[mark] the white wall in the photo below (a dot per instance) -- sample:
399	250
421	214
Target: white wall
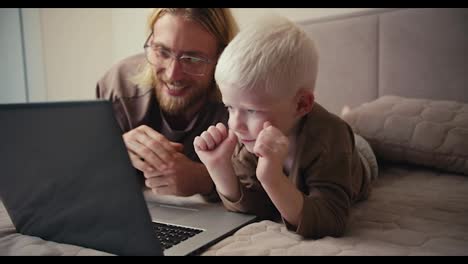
77	49
33	55
81	44
128	31
12	81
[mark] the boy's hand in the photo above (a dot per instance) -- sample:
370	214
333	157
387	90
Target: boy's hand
215	146
271	147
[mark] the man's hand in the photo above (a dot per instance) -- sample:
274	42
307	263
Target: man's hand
184	178
150	151
271	147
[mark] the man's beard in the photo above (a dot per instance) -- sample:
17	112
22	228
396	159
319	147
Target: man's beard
173	105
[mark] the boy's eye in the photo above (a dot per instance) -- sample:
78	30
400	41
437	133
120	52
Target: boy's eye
250	111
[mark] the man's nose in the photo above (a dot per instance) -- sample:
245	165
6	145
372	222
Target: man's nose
174	70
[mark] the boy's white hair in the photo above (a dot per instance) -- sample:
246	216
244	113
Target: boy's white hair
272	55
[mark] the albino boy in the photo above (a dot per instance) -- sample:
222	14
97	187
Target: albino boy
283	154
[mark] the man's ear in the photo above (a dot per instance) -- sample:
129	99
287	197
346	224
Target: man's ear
304	101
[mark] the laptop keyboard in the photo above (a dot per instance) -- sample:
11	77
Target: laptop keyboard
170	235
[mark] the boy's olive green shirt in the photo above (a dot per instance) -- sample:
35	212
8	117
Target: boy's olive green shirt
327	169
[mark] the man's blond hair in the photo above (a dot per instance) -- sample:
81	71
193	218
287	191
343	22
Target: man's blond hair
218	21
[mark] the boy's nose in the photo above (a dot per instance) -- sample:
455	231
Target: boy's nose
236	122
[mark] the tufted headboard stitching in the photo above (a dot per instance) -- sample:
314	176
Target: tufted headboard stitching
416	52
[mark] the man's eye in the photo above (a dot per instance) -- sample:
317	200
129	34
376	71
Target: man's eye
162	53
250	111
191	60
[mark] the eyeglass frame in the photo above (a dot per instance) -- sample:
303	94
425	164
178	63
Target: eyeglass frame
175	56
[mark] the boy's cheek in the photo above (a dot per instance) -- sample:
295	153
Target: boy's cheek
250	147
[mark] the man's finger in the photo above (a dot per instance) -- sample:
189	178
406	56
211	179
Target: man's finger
157	173
177	146
145	154
139	164
163	141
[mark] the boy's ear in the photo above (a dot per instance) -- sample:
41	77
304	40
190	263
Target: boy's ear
304	101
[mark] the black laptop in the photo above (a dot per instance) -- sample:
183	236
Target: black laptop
66	177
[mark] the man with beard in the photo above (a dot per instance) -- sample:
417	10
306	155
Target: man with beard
164	98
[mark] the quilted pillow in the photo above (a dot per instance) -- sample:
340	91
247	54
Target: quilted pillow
418	131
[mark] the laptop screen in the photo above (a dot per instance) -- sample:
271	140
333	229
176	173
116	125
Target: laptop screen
66	177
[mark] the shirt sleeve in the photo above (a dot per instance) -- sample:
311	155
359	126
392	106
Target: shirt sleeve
327	199
253	200
211	197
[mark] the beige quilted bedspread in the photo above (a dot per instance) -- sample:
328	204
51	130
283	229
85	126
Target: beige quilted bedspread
410	212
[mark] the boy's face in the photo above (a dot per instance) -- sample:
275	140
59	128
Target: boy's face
248	112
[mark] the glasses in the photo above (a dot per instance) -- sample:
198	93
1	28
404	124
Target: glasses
162	57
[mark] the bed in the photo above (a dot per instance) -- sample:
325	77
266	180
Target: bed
399	77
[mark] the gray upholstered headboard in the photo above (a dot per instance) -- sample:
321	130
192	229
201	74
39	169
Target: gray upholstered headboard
421	53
